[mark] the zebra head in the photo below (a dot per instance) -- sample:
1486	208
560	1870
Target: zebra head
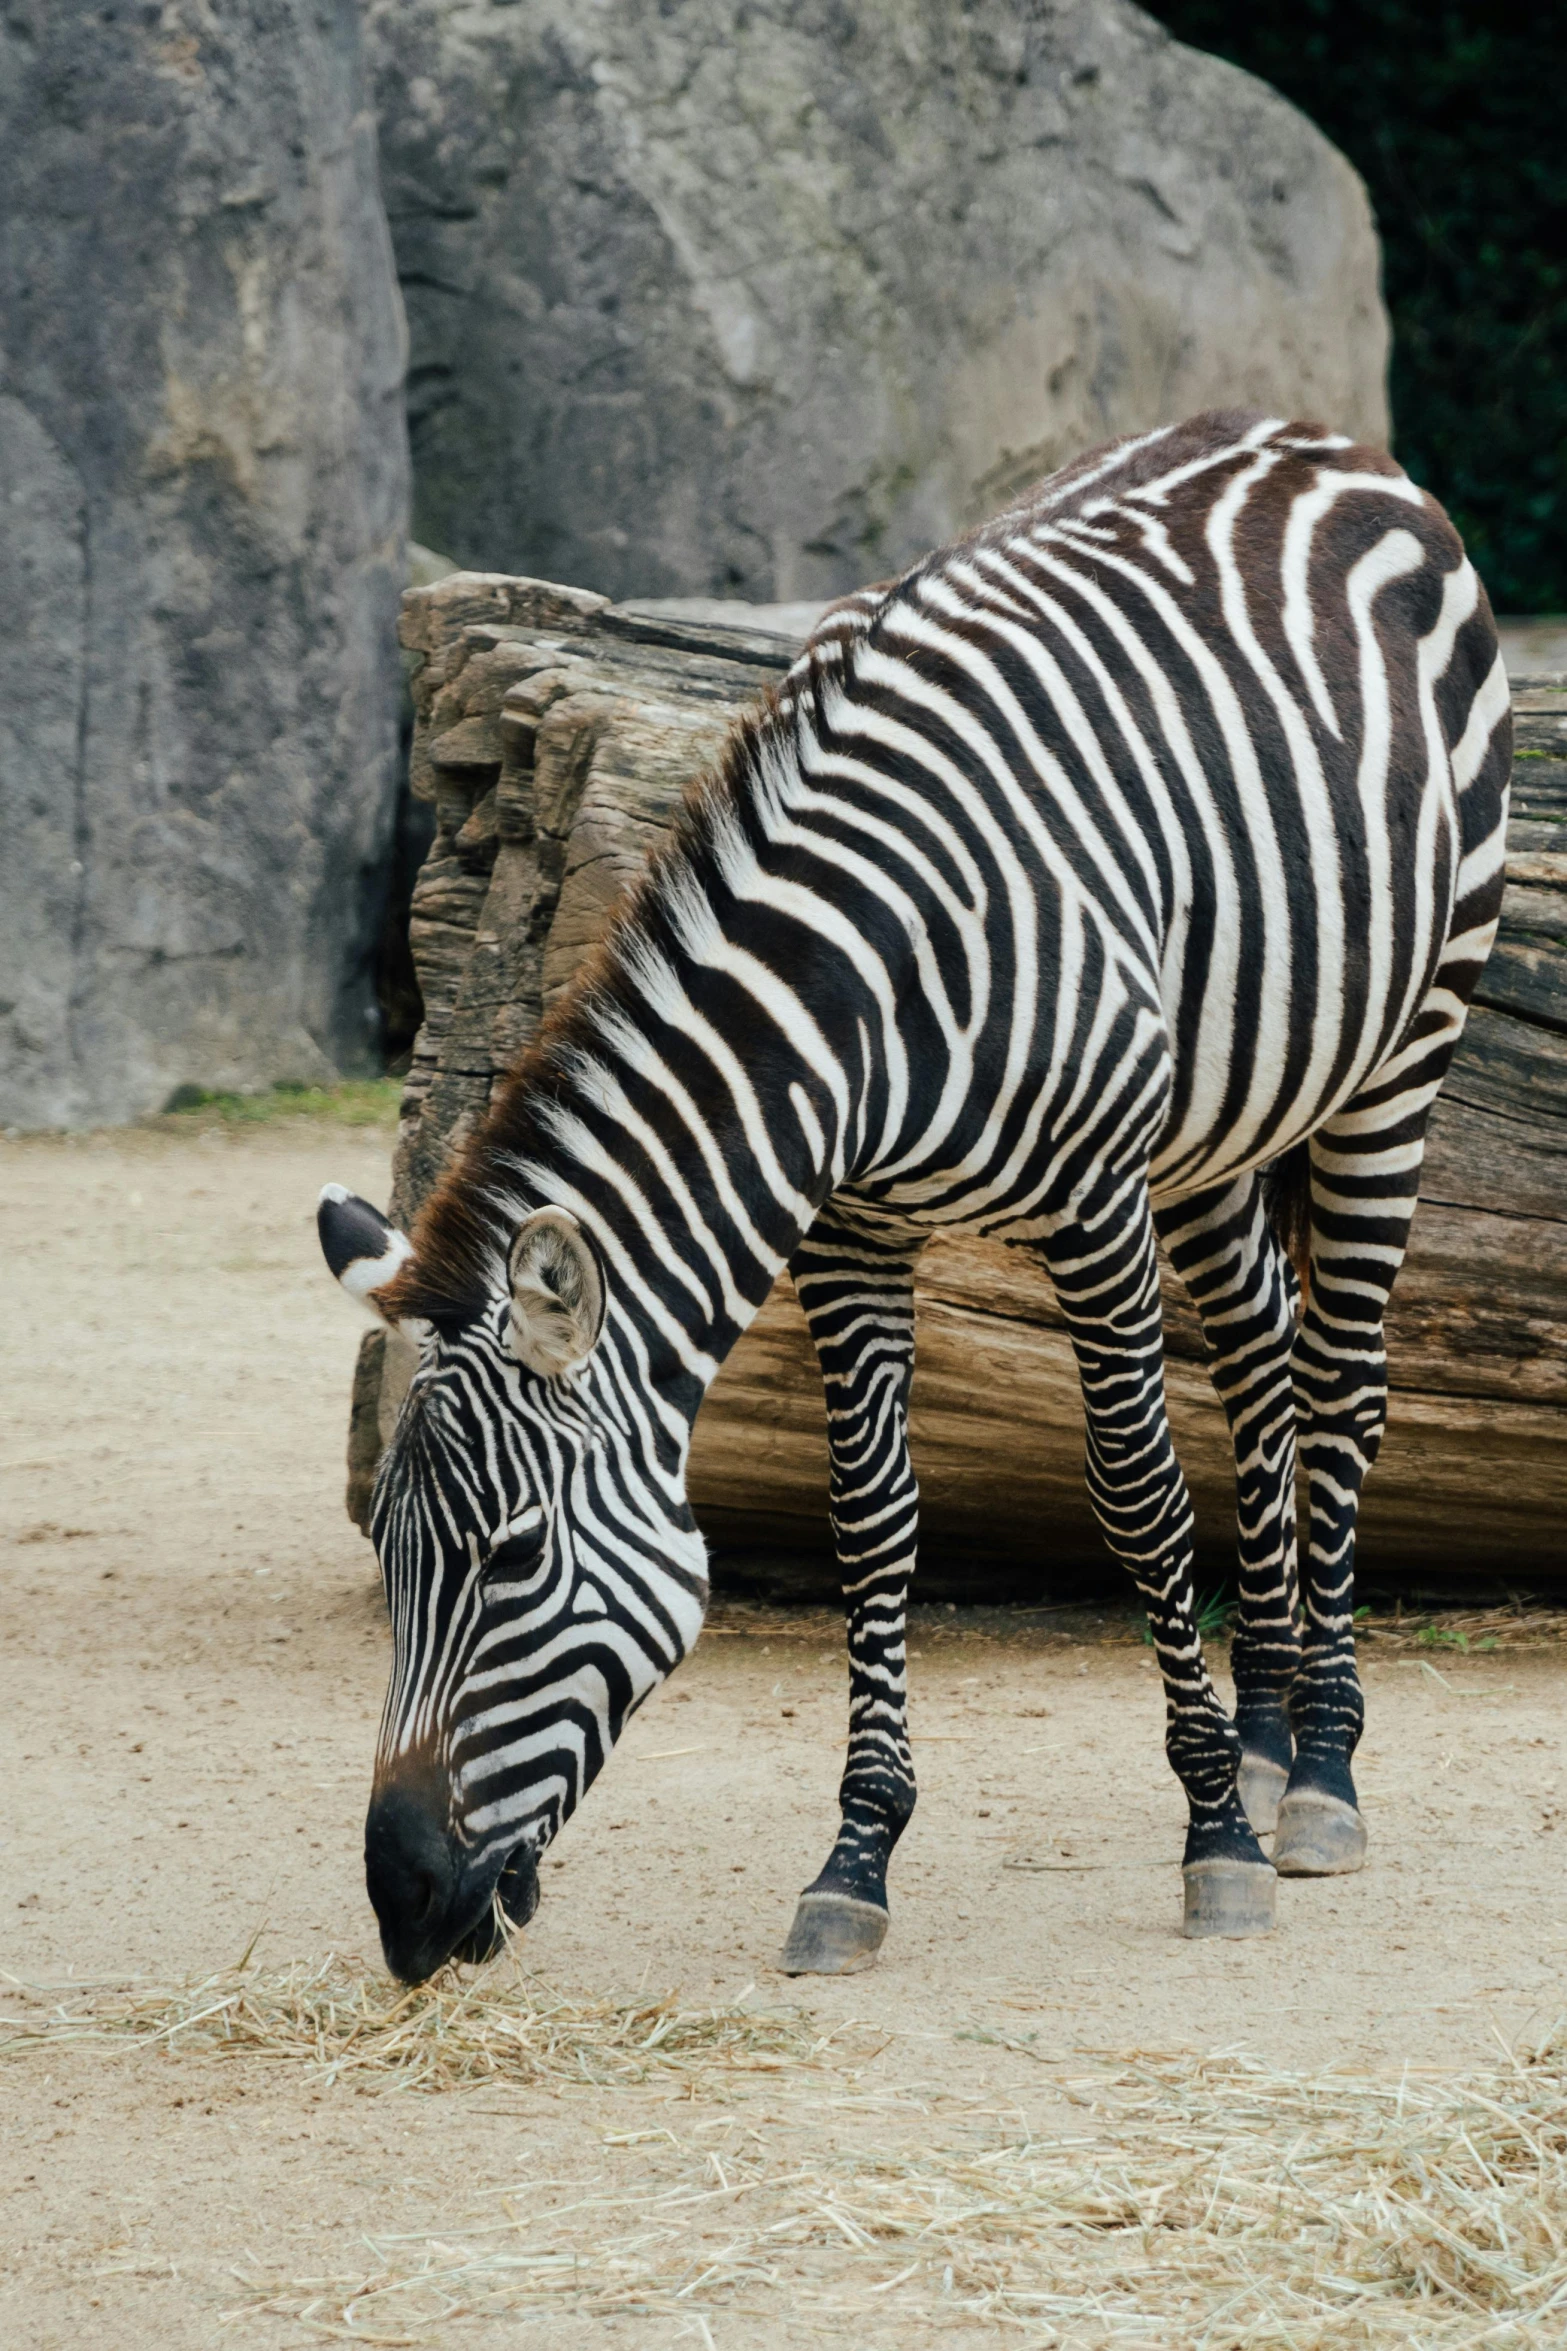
542	1571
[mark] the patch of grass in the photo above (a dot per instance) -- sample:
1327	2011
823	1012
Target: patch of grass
358	1102
1474	1632
1216	1614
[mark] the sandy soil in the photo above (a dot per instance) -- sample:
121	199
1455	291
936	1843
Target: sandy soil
191	1668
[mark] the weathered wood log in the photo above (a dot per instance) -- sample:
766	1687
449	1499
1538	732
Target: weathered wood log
556	734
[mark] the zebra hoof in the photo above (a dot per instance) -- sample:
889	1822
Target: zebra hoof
1260	1785
1229	1898
1318	1836
833	1934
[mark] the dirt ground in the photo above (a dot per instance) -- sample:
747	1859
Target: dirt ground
191	1670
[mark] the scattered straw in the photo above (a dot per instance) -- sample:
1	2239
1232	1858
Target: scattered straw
1199	2205
1214	2205
498	2027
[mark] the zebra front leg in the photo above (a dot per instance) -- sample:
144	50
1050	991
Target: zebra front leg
1221	1244
1106	1277
857	1289
1365	1168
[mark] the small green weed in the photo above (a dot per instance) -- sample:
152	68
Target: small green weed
1216	1612
1435	1636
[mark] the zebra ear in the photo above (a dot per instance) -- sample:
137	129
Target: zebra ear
557	1293
361	1248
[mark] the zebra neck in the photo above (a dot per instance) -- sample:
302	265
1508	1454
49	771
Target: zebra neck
696	1166
730	1060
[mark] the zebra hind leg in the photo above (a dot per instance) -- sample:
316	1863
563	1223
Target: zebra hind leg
1106	1278
1224	1248
857	1289
1365	1166
1365	1181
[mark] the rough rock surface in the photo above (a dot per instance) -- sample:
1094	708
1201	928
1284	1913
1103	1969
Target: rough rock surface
764	301
555	736
203	480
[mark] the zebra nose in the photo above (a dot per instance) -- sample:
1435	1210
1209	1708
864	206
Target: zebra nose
412	1879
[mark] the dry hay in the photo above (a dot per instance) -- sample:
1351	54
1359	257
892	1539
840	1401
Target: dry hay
1216	2206
499	2027
1204	2204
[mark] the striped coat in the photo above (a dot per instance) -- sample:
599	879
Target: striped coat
1120	873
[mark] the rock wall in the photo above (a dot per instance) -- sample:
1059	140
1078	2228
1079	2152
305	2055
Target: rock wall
203	478
765	301
555	736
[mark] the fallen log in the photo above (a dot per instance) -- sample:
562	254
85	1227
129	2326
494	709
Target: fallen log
555	736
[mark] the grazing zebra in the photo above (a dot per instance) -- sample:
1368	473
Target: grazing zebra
1122	871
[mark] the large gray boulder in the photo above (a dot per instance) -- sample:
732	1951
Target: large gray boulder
762	300
203	491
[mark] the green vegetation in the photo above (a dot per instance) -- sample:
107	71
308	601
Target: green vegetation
1434	1636
1216	1614
359	1102
1451	112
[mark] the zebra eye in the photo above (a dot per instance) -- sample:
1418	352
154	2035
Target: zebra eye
518	1554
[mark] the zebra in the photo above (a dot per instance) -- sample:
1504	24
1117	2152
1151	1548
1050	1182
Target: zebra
1118	875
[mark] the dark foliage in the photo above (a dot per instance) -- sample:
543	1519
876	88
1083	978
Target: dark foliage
1452	112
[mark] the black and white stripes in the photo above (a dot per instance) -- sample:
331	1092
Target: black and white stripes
1148	838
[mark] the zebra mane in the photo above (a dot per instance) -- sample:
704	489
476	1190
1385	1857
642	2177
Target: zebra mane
461	1234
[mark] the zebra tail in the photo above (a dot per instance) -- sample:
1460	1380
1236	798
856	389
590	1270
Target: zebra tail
1286	1203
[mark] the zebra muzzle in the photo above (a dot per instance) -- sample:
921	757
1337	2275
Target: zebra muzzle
432	1903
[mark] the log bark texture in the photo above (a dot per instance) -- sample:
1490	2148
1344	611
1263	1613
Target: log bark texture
556	734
